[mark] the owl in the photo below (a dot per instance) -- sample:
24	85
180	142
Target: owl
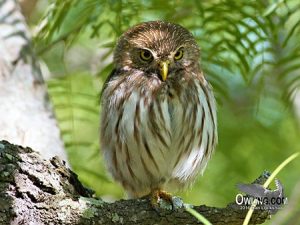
158	112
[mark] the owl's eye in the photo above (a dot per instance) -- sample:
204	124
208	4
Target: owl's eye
146	55
179	54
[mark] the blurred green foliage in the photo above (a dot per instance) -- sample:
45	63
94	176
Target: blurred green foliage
250	54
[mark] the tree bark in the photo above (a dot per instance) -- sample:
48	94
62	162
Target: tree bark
38	191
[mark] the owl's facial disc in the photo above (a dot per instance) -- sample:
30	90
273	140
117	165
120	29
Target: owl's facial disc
146	56
150	60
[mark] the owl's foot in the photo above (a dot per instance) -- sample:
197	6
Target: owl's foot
162	199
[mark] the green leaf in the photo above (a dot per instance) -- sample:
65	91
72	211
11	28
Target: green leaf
272	7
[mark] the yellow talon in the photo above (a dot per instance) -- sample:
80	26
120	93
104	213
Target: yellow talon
157	195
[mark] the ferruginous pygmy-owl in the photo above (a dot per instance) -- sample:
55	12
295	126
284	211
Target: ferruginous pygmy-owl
158	125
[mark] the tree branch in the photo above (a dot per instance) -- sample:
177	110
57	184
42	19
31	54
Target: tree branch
38	191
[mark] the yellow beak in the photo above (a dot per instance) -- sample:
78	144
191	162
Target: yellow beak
164	69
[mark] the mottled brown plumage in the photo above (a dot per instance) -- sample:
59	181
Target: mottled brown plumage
158	120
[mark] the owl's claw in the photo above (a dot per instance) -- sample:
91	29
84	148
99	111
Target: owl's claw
159	198
163	200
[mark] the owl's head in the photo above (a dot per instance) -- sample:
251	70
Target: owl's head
157	47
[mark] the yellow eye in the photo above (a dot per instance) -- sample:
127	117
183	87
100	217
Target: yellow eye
146	55
179	54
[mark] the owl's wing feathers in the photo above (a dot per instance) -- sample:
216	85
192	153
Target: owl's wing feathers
110	76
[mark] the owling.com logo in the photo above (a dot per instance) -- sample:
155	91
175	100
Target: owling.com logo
271	200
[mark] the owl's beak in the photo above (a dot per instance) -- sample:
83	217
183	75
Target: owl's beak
164	69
